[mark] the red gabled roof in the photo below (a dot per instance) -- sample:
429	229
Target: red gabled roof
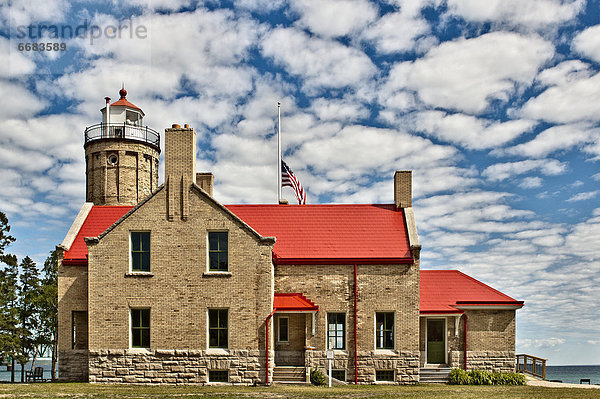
99	219
124	102
293	303
445	291
313	234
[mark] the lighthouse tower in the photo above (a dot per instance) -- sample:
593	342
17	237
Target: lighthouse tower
121	155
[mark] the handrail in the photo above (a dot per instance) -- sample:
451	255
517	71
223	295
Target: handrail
122	131
533	365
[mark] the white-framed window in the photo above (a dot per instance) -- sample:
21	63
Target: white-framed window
283	329
336	331
384	330
139	321
218	251
139	251
218	328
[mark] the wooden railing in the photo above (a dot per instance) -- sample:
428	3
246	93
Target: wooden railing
535	366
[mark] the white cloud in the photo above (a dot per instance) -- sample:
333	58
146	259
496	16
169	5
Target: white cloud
167	5
584	196
468	131
556	138
572	98
530	343
26	12
467	74
530	14
343	110
503	171
587	43
531	182
20	103
15	63
320	63
584	240
333	18
397	32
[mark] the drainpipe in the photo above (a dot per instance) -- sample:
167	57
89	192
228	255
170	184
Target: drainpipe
267	341
465	315
355	324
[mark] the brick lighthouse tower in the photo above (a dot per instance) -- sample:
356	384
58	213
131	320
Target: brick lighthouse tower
121	155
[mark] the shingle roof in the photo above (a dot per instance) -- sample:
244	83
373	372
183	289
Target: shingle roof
445	291
331	233
99	219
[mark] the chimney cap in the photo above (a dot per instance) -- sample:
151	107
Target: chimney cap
175	126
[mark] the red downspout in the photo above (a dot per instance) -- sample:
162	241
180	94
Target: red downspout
465	341
355	324
267	342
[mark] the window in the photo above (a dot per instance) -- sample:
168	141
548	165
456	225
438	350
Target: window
217	251
384	375
339	375
217	328
384	330
284	329
79	330
218	376
140	328
140	251
336	330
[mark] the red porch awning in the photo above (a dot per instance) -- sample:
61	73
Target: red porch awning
293	303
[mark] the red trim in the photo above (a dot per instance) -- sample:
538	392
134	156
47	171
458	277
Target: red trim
355	324
75	262
305	305
491	303
341	261
465	315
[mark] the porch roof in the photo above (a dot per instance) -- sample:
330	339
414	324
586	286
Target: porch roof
293	303
451	292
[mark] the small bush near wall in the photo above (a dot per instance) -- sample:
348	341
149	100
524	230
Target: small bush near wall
317	378
482	377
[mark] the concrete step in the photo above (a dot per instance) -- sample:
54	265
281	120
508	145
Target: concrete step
289	374
434	375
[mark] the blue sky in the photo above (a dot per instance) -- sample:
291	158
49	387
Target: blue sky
494	105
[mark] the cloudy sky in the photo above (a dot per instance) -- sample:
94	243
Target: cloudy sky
494	105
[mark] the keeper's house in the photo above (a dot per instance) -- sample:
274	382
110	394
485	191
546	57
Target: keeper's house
164	284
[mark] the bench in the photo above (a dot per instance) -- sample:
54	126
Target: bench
584	380
37	375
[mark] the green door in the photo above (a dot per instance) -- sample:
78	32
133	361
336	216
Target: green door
435	341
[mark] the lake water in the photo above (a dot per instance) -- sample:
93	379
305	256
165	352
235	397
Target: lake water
572	374
45	363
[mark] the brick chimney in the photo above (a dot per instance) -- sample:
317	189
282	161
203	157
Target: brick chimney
403	188
180	168
205	180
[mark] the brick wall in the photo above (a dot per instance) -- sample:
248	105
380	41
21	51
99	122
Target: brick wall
72	296
178	290
387	288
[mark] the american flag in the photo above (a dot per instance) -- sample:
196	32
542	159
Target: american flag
288	179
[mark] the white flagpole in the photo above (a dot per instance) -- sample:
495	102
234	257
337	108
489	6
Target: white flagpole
278	152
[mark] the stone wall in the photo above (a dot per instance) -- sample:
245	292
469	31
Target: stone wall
503	361
131	179
174	366
73	365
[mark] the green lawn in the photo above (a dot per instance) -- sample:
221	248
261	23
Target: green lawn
82	390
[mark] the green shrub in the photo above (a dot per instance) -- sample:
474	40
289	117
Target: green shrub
317	378
482	377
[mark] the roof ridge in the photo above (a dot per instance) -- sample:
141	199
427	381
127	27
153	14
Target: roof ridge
485	285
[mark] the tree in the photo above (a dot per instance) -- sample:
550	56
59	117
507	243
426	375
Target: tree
9	313
29	293
5	238
48	307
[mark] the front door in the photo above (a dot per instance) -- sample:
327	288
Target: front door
290	339
436	344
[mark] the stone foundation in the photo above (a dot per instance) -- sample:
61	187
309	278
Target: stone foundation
174	366
73	365
404	363
480	360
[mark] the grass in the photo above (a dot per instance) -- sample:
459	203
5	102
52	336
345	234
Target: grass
83	390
